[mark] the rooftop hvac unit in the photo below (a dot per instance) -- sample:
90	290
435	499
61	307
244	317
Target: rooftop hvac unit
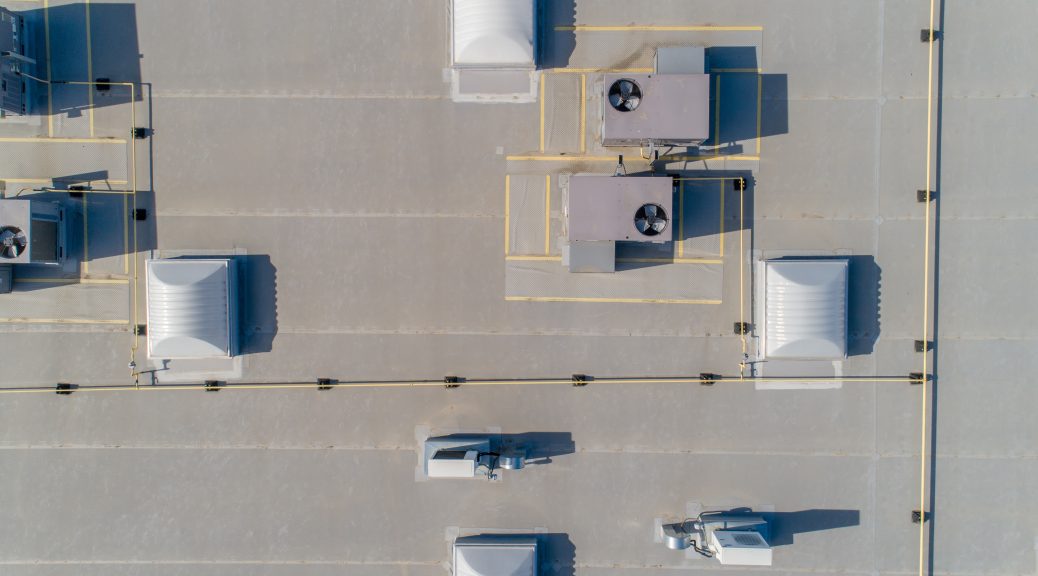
655	109
31	232
15	44
469	456
601	210
740	548
733	538
453	464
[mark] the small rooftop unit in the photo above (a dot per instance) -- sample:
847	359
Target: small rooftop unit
670	107
600	210
734	539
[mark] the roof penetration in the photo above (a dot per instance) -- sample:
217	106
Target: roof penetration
493	33
495	555
191	305
806	309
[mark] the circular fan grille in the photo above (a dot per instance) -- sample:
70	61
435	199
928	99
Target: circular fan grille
625	95
650	219
12	242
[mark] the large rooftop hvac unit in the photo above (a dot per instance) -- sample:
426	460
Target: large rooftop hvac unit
805	309
601	210
192	308
495	555
15	42
31	232
670	107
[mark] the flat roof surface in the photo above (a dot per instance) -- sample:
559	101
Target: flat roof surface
388	233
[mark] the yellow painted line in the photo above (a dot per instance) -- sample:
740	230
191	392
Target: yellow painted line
543	82
561	158
90	69
532	257
644	28
608	300
673	260
61	321
583	113
599	70
86	245
714	157
576	158
759	106
508	185
742	301
721	227
717	115
681	218
547	213
735	70
50	92
711	178
126	235
41	139
71	280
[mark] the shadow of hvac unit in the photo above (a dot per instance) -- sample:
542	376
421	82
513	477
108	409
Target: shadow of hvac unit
601	210
670	107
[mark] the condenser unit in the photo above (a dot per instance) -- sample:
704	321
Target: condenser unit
31	232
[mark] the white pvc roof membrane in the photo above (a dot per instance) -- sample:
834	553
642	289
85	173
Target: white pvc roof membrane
493	33
191	305
486	556
805	309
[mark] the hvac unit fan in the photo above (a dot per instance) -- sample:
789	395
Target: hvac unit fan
650	219
12	242
625	95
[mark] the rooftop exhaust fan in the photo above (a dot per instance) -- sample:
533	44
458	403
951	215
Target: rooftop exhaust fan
625	95
12	242
650	219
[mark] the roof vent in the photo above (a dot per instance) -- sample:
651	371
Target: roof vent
650	219
625	95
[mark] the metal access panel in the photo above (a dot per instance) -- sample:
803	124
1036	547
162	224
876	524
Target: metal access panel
590	256
680	60
600	207
673	109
